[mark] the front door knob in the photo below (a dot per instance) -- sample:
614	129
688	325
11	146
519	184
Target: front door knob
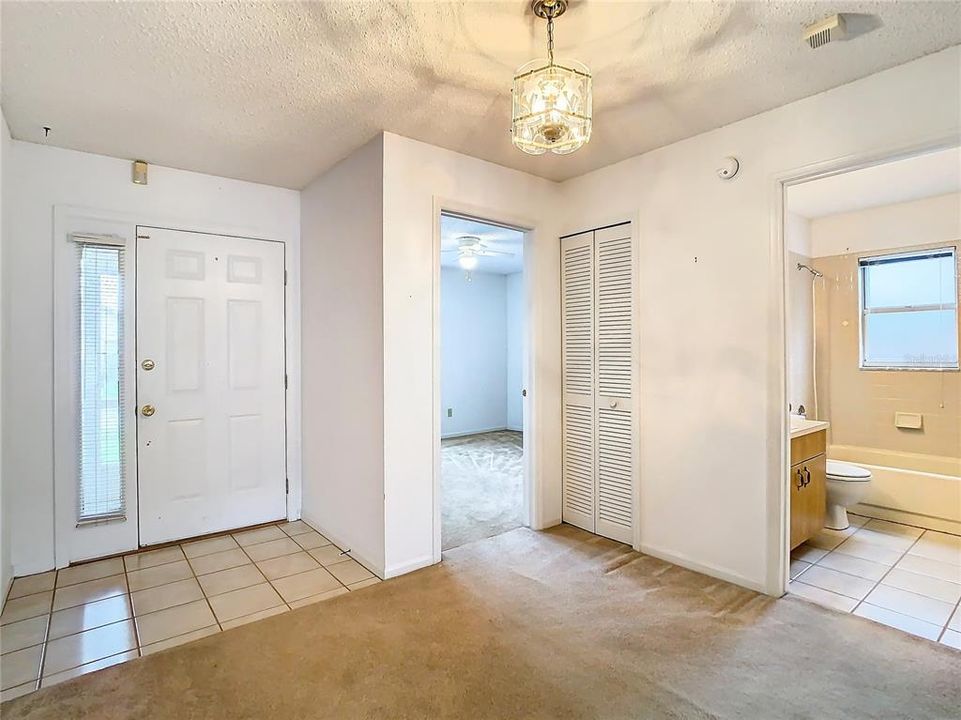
148	410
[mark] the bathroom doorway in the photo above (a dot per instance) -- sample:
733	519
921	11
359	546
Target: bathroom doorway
482	389
873	391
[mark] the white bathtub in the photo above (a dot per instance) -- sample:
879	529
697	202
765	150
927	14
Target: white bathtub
918	489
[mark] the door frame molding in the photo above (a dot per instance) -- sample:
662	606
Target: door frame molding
777	576
533	482
70	219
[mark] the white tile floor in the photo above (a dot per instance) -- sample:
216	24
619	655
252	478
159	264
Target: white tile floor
897	575
58	625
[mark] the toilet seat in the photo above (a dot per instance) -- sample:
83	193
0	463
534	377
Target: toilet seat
846	472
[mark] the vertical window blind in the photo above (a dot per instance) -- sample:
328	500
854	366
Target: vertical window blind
100	351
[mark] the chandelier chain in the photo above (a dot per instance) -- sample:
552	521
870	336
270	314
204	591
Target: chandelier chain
550	39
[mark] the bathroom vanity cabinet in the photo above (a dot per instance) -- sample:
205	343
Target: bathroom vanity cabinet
808	480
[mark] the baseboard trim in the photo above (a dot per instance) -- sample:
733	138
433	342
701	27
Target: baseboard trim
908	518
417	564
340	542
704	569
473	432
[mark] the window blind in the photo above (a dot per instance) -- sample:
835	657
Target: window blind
99	363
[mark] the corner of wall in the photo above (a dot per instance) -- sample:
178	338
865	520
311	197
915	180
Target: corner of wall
343	353
6	563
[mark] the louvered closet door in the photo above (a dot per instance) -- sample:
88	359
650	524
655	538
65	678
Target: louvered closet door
577	313
614	421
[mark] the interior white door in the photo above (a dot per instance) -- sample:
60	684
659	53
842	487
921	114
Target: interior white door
614	288
577	349
210	383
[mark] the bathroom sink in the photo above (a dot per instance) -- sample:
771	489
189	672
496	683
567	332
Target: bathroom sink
803	426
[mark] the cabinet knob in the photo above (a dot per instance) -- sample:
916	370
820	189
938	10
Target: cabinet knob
807	476
800	480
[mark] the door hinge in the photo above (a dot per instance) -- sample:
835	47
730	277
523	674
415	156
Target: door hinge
287	485
285	277
285	381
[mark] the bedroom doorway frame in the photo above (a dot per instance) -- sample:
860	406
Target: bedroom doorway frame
531	485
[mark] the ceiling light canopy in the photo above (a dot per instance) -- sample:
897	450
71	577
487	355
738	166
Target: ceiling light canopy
551	100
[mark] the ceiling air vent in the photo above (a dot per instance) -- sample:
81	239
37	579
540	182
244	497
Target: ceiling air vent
828	30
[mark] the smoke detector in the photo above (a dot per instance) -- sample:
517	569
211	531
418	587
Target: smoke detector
828	30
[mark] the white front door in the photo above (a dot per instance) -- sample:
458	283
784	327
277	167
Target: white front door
210	383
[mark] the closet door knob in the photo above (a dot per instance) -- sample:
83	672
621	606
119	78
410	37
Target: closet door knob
613	403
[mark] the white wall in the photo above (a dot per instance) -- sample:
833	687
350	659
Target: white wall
919	222
712	349
343	353
6	562
474	356
418	180
41	178
516	351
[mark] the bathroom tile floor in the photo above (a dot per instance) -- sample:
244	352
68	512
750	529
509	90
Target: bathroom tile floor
897	575
61	624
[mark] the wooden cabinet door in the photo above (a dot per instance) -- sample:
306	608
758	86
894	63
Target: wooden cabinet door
807	498
817	493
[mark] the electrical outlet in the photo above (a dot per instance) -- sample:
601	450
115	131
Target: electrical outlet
450	412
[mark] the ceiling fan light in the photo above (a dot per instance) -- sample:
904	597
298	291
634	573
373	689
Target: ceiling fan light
467	262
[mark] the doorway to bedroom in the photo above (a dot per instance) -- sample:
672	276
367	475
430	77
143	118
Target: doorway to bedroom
482	387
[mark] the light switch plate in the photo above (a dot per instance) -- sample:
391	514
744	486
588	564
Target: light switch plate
908	421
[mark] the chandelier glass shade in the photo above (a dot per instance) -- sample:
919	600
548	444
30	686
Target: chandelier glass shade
552	102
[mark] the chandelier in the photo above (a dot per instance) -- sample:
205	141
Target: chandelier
551	100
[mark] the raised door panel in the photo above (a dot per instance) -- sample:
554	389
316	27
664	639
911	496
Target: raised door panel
210	315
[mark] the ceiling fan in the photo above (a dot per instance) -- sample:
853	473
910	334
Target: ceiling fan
470	248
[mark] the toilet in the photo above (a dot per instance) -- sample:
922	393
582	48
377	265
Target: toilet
847	485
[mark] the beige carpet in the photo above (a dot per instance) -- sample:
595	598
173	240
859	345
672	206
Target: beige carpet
482	491
559	624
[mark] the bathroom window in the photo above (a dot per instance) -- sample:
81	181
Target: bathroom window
909	310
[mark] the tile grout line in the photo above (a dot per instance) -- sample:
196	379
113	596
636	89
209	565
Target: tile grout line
890	569
203	592
321	565
80	632
944	630
133	614
36	682
266	579
89	662
46	632
861	601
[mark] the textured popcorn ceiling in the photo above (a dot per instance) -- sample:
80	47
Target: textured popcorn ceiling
278	92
